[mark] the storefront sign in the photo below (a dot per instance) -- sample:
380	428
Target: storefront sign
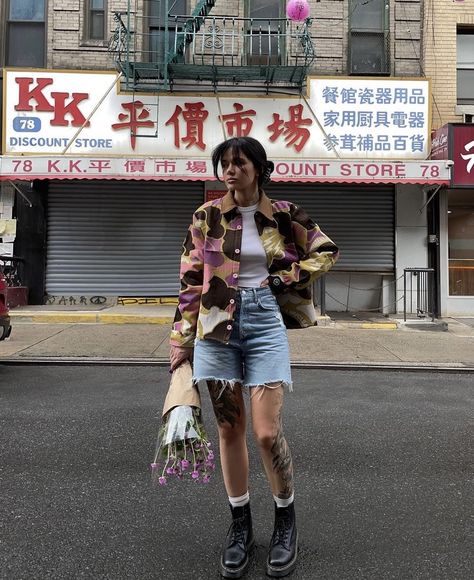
440	143
156	168
456	142
82	113
463	155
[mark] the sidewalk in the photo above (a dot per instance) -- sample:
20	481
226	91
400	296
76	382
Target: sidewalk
140	334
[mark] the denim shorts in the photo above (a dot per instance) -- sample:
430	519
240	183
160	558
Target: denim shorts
257	352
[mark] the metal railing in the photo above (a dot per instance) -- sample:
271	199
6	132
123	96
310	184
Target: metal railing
152	50
419	293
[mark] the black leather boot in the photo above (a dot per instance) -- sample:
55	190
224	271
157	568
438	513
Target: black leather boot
283	550
238	542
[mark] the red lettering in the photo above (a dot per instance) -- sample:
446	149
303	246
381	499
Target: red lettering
358	168
74	166
25	95
296	168
61	109
310	169
282	168
324	167
53	166
372	169
386	169
346	169
400	170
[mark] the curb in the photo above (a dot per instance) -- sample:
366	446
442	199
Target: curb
88	318
49	317
351	366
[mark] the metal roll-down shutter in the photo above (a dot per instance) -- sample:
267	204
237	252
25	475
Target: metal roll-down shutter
117	238
359	218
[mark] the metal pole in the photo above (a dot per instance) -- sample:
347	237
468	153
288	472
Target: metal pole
71	141
404	295
323	295
167	39
128	44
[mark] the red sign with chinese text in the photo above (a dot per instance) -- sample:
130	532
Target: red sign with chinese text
462	154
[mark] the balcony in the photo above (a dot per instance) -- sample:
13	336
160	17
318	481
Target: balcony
206	53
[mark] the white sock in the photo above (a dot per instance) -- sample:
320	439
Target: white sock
282	503
240	500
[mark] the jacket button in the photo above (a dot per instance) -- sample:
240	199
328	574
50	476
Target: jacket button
235	275
231	301
239	227
229	327
237	251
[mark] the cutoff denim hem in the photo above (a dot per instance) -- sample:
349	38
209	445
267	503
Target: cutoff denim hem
231	383
257	353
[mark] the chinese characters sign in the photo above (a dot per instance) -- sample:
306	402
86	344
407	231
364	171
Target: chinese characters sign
167	168
456	142
48	113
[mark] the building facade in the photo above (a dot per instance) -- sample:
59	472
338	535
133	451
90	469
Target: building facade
117	233
448	55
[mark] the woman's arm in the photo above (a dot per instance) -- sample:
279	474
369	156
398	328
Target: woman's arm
317	252
183	332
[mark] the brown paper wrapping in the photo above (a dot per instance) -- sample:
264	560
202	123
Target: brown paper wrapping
181	390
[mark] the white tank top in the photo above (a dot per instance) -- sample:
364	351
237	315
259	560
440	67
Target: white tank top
253	260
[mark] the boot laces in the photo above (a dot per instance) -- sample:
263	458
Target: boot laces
238	531
282	531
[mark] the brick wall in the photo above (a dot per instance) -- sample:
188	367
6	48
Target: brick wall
440	23
67	44
68	49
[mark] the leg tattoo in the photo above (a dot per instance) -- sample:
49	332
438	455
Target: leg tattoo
282	463
225	403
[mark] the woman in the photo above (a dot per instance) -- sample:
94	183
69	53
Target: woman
248	260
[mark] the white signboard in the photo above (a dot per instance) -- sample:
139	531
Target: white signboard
82	113
310	170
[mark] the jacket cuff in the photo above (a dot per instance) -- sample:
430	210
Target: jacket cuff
178	339
276	284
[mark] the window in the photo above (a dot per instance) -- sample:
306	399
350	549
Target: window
265	37
25	33
157	26
465	67
368	37
461	242
95	19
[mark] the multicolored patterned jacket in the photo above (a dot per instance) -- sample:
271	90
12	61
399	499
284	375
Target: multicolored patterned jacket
297	253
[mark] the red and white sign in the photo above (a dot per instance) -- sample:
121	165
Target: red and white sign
157	168
463	155
84	114
440	143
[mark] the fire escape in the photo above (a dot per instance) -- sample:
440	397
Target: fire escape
158	50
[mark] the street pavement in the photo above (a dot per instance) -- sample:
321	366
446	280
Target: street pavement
384	478
141	335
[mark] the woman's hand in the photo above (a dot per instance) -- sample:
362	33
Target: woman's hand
179	354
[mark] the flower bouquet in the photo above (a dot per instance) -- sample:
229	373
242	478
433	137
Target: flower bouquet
182	447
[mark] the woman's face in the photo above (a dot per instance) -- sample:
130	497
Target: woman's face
238	172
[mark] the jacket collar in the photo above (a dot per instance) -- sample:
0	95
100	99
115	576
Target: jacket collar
264	204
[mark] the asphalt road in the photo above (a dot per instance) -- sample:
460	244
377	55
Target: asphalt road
384	475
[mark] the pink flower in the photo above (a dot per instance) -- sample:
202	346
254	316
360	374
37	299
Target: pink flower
162	480
195	474
184	463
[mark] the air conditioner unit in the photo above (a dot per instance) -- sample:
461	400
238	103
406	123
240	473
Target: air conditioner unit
468	118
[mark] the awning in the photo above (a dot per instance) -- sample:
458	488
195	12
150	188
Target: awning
158	169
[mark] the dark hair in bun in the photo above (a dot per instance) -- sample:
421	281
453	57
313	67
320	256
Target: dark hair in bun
252	149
